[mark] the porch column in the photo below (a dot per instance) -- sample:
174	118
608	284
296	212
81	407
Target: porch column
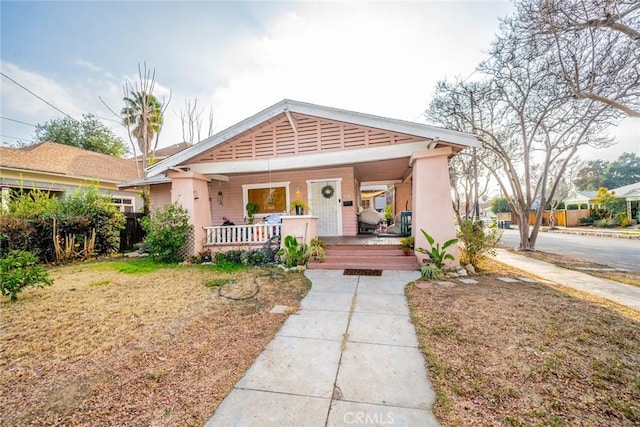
402	198
191	190
432	209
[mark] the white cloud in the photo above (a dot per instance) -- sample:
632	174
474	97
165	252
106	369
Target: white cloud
88	65
377	58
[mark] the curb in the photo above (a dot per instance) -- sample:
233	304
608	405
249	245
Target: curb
613	234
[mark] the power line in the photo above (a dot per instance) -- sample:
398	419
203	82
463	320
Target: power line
37	96
17	121
17	137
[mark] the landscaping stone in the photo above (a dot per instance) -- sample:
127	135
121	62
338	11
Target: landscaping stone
508	280
469	281
279	309
445	284
527	280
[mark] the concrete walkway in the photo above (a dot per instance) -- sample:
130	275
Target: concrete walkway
621	293
349	356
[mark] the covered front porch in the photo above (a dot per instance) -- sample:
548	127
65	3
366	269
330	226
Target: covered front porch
318	157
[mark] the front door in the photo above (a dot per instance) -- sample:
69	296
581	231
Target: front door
325	198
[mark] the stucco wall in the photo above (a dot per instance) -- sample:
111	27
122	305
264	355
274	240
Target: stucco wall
432	208
232	203
160	196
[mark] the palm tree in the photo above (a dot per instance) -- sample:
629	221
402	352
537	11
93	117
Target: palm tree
143	117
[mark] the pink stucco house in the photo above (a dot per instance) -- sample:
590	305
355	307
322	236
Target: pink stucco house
319	155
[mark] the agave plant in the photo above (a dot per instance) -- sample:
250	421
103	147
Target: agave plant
437	253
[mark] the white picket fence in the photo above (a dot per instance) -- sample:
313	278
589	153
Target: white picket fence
241	234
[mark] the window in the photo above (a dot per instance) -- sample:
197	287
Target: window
270	198
125	204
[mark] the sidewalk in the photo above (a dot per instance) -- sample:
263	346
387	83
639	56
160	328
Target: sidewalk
349	356
621	293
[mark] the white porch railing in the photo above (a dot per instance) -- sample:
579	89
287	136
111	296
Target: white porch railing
241	234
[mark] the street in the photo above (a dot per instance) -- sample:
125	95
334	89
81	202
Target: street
613	252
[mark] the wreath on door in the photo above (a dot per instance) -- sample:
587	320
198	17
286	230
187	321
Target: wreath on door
327	191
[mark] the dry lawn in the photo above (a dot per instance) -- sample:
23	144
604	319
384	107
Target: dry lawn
527	354
159	348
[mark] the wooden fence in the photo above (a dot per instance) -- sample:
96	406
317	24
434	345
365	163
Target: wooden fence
563	218
132	232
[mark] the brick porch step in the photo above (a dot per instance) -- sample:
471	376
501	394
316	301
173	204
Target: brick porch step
373	257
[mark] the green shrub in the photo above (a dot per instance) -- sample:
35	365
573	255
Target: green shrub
437	253
167	231
29	203
19	270
477	241
293	254
15	233
587	221
431	271
28	222
605	223
499	204
237	257
86	209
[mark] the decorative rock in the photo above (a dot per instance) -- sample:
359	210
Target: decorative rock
470	269
469	281
462	272
279	309
132	255
445	284
527	279
508	280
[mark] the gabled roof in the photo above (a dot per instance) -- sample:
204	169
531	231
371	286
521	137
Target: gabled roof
60	159
582	195
626	189
288	106
164	152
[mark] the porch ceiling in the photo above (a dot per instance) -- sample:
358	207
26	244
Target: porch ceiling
382	171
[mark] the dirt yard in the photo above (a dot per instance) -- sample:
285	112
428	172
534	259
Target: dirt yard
520	354
127	344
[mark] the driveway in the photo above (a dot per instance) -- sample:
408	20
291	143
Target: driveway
618	253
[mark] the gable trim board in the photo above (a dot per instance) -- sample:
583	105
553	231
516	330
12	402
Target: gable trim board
266	117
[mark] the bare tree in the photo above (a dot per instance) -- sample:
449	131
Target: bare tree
470	182
592	47
524	123
192	121
470	171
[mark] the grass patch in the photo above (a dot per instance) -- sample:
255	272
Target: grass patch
83	353
524	354
216	282
99	283
133	266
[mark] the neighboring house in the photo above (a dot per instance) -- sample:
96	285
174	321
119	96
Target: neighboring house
631	194
61	168
581	199
319	155
164	152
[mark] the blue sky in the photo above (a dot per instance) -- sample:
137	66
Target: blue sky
241	57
